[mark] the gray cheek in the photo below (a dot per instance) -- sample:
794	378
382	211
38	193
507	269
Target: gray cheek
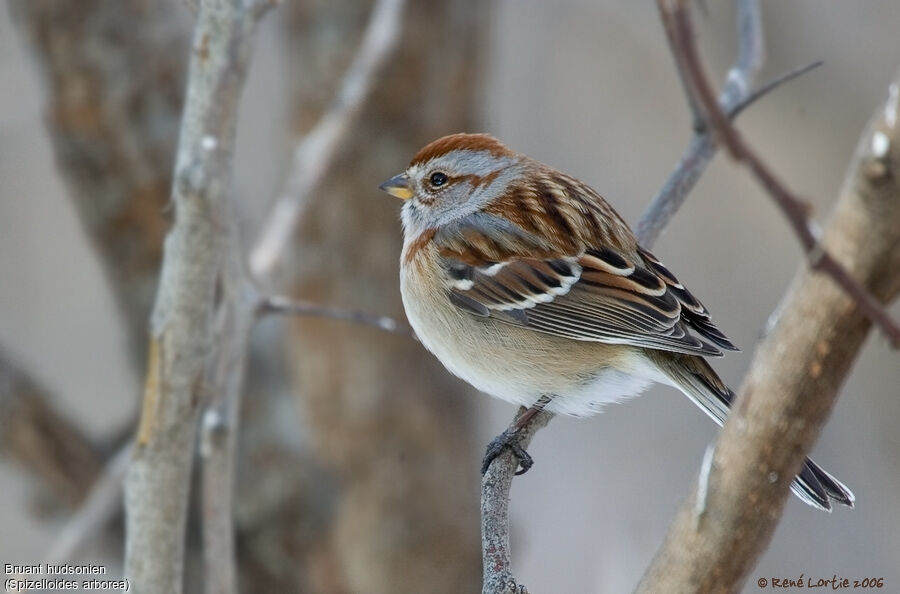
444	208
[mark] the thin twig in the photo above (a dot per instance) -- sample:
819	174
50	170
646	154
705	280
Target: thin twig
221	418
697	156
102	504
287	306
769	86
735	97
315	152
696	115
794	208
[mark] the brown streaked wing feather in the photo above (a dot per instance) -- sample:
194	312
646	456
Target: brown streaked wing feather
601	295
694	313
520	284
620	302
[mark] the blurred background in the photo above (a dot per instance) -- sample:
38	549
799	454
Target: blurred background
360	456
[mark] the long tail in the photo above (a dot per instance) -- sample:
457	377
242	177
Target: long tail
693	376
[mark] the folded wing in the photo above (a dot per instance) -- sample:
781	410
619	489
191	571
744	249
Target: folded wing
597	294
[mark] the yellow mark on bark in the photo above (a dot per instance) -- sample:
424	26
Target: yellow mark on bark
151	394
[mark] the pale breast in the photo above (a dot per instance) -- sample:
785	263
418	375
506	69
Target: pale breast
512	363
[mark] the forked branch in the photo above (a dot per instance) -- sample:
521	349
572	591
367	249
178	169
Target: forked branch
795	209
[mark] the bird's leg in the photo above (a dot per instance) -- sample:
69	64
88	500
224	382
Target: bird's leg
507	439
510	439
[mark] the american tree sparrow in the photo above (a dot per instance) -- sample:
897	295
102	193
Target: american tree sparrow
526	283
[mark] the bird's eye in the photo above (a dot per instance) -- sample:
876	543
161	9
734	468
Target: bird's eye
438	179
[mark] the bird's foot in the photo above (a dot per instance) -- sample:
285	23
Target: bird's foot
508	439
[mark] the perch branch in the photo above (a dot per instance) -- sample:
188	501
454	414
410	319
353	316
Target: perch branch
498	576
315	152
793	379
794	208
158	480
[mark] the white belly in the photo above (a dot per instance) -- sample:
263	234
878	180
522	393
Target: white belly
519	365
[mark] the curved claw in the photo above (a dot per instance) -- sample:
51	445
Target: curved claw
507	439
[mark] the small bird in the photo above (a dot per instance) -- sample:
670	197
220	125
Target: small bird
527	284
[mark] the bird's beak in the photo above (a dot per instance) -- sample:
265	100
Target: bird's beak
398	186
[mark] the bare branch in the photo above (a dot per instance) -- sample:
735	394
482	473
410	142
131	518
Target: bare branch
314	153
698	154
697	116
793	380
292	307
498	577
794	208
219	428
158	479
119	176
735	96
770	86
101	506
693	163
